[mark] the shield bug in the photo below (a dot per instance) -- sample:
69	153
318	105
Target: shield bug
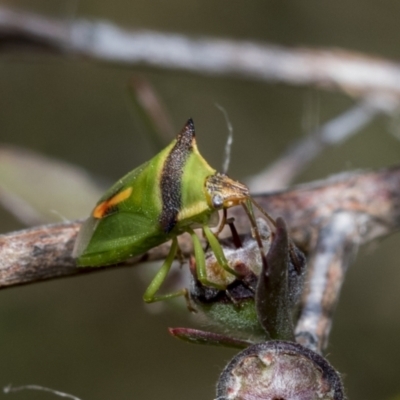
173	193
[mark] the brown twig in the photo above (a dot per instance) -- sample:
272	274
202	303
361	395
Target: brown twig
351	72
45	252
308	208
373	198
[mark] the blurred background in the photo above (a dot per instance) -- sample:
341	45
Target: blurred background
92	336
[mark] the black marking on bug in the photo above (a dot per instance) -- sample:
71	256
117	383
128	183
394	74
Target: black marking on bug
171	177
111	210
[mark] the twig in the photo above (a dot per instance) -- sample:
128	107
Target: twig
152	112
11	389
44	252
308	208
341	214
337	244
335	69
282	172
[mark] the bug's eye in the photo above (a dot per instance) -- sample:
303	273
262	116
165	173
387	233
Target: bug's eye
217	201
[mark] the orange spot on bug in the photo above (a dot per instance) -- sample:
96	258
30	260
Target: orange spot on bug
101	210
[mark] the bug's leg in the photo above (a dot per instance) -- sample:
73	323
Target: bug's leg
201	271
247	205
235	236
248	285
221	226
150	293
223	222
270	221
231	298
219	253
207	243
180	256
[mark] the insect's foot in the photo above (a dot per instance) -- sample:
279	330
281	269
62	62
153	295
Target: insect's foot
231	298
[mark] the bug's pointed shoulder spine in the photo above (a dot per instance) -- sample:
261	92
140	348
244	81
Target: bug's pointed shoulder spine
189	127
187	137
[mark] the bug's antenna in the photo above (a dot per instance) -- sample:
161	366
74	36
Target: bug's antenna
229	141
269	219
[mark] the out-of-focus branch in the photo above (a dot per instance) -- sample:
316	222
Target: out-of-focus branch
348	71
337	244
151	111
372	198
298	156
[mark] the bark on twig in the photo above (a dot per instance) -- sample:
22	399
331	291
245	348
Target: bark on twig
38	253
351	72
45	252
372	196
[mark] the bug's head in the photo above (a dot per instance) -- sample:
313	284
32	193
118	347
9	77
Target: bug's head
224	192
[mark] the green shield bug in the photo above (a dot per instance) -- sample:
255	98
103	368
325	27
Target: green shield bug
173	193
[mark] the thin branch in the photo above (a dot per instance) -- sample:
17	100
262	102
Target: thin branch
11	389
101	40
44	252
282	172
337	245
153	114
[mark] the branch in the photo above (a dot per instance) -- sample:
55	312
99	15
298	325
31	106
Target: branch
101	40
329	220
282	172
373	198
45	252
337	244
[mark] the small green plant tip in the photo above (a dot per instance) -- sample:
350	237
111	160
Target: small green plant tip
171	194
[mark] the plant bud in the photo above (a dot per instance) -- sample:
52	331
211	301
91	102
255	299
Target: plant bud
279	370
